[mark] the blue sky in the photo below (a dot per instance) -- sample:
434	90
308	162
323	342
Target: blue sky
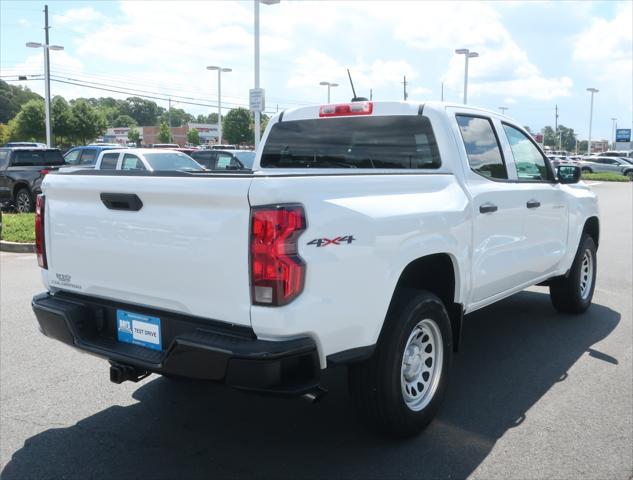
533	55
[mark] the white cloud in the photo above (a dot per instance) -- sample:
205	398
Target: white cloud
606	47
78	17
24	23
509	100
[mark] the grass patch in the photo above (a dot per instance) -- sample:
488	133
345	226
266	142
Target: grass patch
605	177
18	227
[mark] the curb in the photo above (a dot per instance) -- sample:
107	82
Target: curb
15	247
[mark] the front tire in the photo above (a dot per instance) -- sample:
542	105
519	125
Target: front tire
24	201
573	294
400	389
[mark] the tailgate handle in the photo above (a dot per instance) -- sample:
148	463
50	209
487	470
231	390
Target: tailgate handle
122	201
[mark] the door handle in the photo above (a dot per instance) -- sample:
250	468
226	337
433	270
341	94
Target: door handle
122	201
488	208
533	204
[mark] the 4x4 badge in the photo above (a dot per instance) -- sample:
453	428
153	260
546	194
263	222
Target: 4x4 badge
324	242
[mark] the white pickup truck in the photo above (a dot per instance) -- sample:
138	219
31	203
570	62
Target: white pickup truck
362	235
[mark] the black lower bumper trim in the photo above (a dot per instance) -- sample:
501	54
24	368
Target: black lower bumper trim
194	347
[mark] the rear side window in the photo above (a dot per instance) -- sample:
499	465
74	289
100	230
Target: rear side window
109	160
531	165
482	147
402	142
88	157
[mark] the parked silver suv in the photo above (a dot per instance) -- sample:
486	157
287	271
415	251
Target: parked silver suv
602	164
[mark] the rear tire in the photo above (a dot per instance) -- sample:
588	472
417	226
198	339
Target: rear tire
23	201
573	294
400	388
586	170
629	173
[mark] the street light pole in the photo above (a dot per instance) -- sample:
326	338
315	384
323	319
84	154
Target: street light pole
592	90
47	79
329	85
613	127
256	32
467	54
220	70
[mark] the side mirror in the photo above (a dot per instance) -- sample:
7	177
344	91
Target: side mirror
568	173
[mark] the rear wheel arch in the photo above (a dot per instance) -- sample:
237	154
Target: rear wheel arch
438	274
19	186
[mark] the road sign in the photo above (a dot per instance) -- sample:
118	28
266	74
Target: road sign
256	99
623	135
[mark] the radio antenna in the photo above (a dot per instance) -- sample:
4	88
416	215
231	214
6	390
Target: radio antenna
355	99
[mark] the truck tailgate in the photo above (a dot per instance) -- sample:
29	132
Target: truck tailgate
185	250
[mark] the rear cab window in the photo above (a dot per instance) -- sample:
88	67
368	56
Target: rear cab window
39	158
88	156
386	142
4	159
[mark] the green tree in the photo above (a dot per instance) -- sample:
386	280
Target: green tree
549	136
178	117
164	135
237	126
212	118
61	119
29	122
133	135
145	112
87	122
12	97
124	121
5	133
193	136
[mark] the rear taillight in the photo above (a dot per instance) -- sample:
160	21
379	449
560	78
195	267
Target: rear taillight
40	246
346	109
44	172
277	270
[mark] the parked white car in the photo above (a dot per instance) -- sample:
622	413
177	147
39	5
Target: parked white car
362	236
606	164
150	159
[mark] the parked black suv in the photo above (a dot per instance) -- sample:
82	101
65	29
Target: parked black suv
21	173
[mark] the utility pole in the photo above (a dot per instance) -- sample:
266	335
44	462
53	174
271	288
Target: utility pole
169	118
405	88
442	98
371	94
503	110
47	80
592	90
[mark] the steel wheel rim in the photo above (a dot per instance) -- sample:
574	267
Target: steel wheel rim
586	274
421	367
23	203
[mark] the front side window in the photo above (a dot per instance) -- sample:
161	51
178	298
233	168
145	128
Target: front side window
132	162
53	157
401	142
109	160
530	164
72	157
482	147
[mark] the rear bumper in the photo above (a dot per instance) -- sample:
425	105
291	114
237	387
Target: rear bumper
193	347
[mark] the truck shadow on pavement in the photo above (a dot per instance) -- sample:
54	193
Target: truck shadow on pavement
512	354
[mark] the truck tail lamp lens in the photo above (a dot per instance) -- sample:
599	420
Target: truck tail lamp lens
277	270
346	109
40	246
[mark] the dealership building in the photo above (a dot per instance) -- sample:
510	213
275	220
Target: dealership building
149	135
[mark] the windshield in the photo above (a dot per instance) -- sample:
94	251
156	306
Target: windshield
172	161
368	142
247	158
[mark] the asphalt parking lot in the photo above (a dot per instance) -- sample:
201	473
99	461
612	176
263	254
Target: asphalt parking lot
533	394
